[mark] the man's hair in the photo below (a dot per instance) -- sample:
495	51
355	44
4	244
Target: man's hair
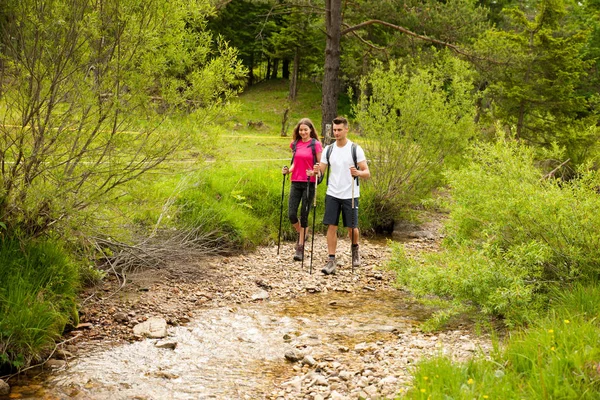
340	121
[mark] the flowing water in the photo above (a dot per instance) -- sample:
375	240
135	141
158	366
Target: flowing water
231	353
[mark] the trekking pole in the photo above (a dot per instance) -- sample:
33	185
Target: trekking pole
353	221
312	240
307	203
281	212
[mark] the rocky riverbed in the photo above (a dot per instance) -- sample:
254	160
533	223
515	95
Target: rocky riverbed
256	325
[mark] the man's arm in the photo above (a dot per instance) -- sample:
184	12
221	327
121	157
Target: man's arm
363	171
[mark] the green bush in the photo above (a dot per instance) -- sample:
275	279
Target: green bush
38	286
511	237
556	358
415	122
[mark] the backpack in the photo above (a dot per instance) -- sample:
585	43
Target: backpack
312	145
354	158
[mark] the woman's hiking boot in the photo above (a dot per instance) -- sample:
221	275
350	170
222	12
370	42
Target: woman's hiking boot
329	268
299	255
355	257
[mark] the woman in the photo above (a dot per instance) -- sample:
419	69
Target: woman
307	151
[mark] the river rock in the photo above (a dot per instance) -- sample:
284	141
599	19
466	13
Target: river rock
335	395
308	360
345	375
388	380
469	346
371	391
421	235
260	295
166	344
154	327
4	388
121	317
52	363
293	355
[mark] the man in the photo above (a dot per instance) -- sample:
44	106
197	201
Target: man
342	190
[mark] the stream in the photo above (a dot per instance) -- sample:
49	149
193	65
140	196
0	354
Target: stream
234	352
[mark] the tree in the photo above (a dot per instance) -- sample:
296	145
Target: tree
242	24
331	81
536	79
461	20
75	74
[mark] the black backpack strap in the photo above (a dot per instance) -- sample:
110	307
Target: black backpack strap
294	143
354	158
327	155
313	145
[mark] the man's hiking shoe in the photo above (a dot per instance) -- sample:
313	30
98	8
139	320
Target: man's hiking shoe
299	255
329	268
355	257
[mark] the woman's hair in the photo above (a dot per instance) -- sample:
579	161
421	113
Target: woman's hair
311	126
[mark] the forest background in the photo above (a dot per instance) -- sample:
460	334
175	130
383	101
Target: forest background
121	134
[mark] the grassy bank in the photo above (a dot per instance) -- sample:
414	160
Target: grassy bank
38	285
555	358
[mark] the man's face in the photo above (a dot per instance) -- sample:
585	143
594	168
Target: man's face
340	131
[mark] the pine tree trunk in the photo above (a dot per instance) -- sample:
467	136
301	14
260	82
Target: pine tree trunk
294	80
331	82
275	70
285	69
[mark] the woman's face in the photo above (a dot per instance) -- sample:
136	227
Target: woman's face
304	131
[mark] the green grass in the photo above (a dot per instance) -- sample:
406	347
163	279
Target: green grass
38	284
557	357
267	101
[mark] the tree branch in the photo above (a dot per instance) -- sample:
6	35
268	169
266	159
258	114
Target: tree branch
351	29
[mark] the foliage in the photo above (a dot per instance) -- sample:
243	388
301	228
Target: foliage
415	124
73	77
556	358
511	235
37	298
538	77
243	206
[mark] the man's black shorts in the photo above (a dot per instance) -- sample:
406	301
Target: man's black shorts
333	207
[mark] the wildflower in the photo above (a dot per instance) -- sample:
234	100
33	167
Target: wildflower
485	396
552	348
470	381
422	390
425	378
567	321
550	330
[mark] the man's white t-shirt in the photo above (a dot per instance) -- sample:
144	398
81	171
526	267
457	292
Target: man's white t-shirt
340	160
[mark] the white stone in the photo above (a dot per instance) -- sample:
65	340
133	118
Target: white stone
260	295
154	327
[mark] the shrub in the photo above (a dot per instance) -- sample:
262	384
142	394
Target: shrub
37	298
511	236
415	123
